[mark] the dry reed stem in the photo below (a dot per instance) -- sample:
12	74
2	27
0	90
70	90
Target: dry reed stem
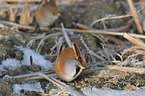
66	36
92	52
120	75
136	47
21	26
11	15
31	75
84	26
137	42
51	80
122	28
135	16
110	17
116	46
59	2
21	0
35	38
34	77
61	84
46	37
100	32
127	69
117	41
111	38
89	51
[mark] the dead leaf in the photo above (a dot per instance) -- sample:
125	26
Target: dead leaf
11	15
26	17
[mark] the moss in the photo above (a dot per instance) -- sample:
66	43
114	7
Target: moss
5	88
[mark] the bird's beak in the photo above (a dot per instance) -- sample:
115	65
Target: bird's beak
58	14
82	67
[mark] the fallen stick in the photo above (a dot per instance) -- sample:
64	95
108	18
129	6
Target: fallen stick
50	75
21	0
120	75
122	28
35	74
59	2
67	39
127	69
100	32
135	16
21	26
62	85
110	17
135	41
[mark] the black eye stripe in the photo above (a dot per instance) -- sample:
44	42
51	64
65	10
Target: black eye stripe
77	70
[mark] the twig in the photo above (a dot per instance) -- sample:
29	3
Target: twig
66	36
36	38
117	41
91	52
46	37
50	79
116	46
89	28
101	32
84	26
110	37
135	16
122	28
39	77
113	17
50	75
127	69
62	85
110	17
21	0
120	75
137	42
21	26
31	75
59	2
59	44
106	52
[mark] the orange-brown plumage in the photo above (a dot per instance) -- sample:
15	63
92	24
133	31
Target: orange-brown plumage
73	56
65	54
46	13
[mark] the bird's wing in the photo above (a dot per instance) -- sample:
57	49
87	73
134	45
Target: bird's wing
80	56
60	50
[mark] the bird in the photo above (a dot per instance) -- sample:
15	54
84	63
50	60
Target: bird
46	13
70	63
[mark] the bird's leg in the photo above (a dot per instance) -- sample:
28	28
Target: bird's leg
37	27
